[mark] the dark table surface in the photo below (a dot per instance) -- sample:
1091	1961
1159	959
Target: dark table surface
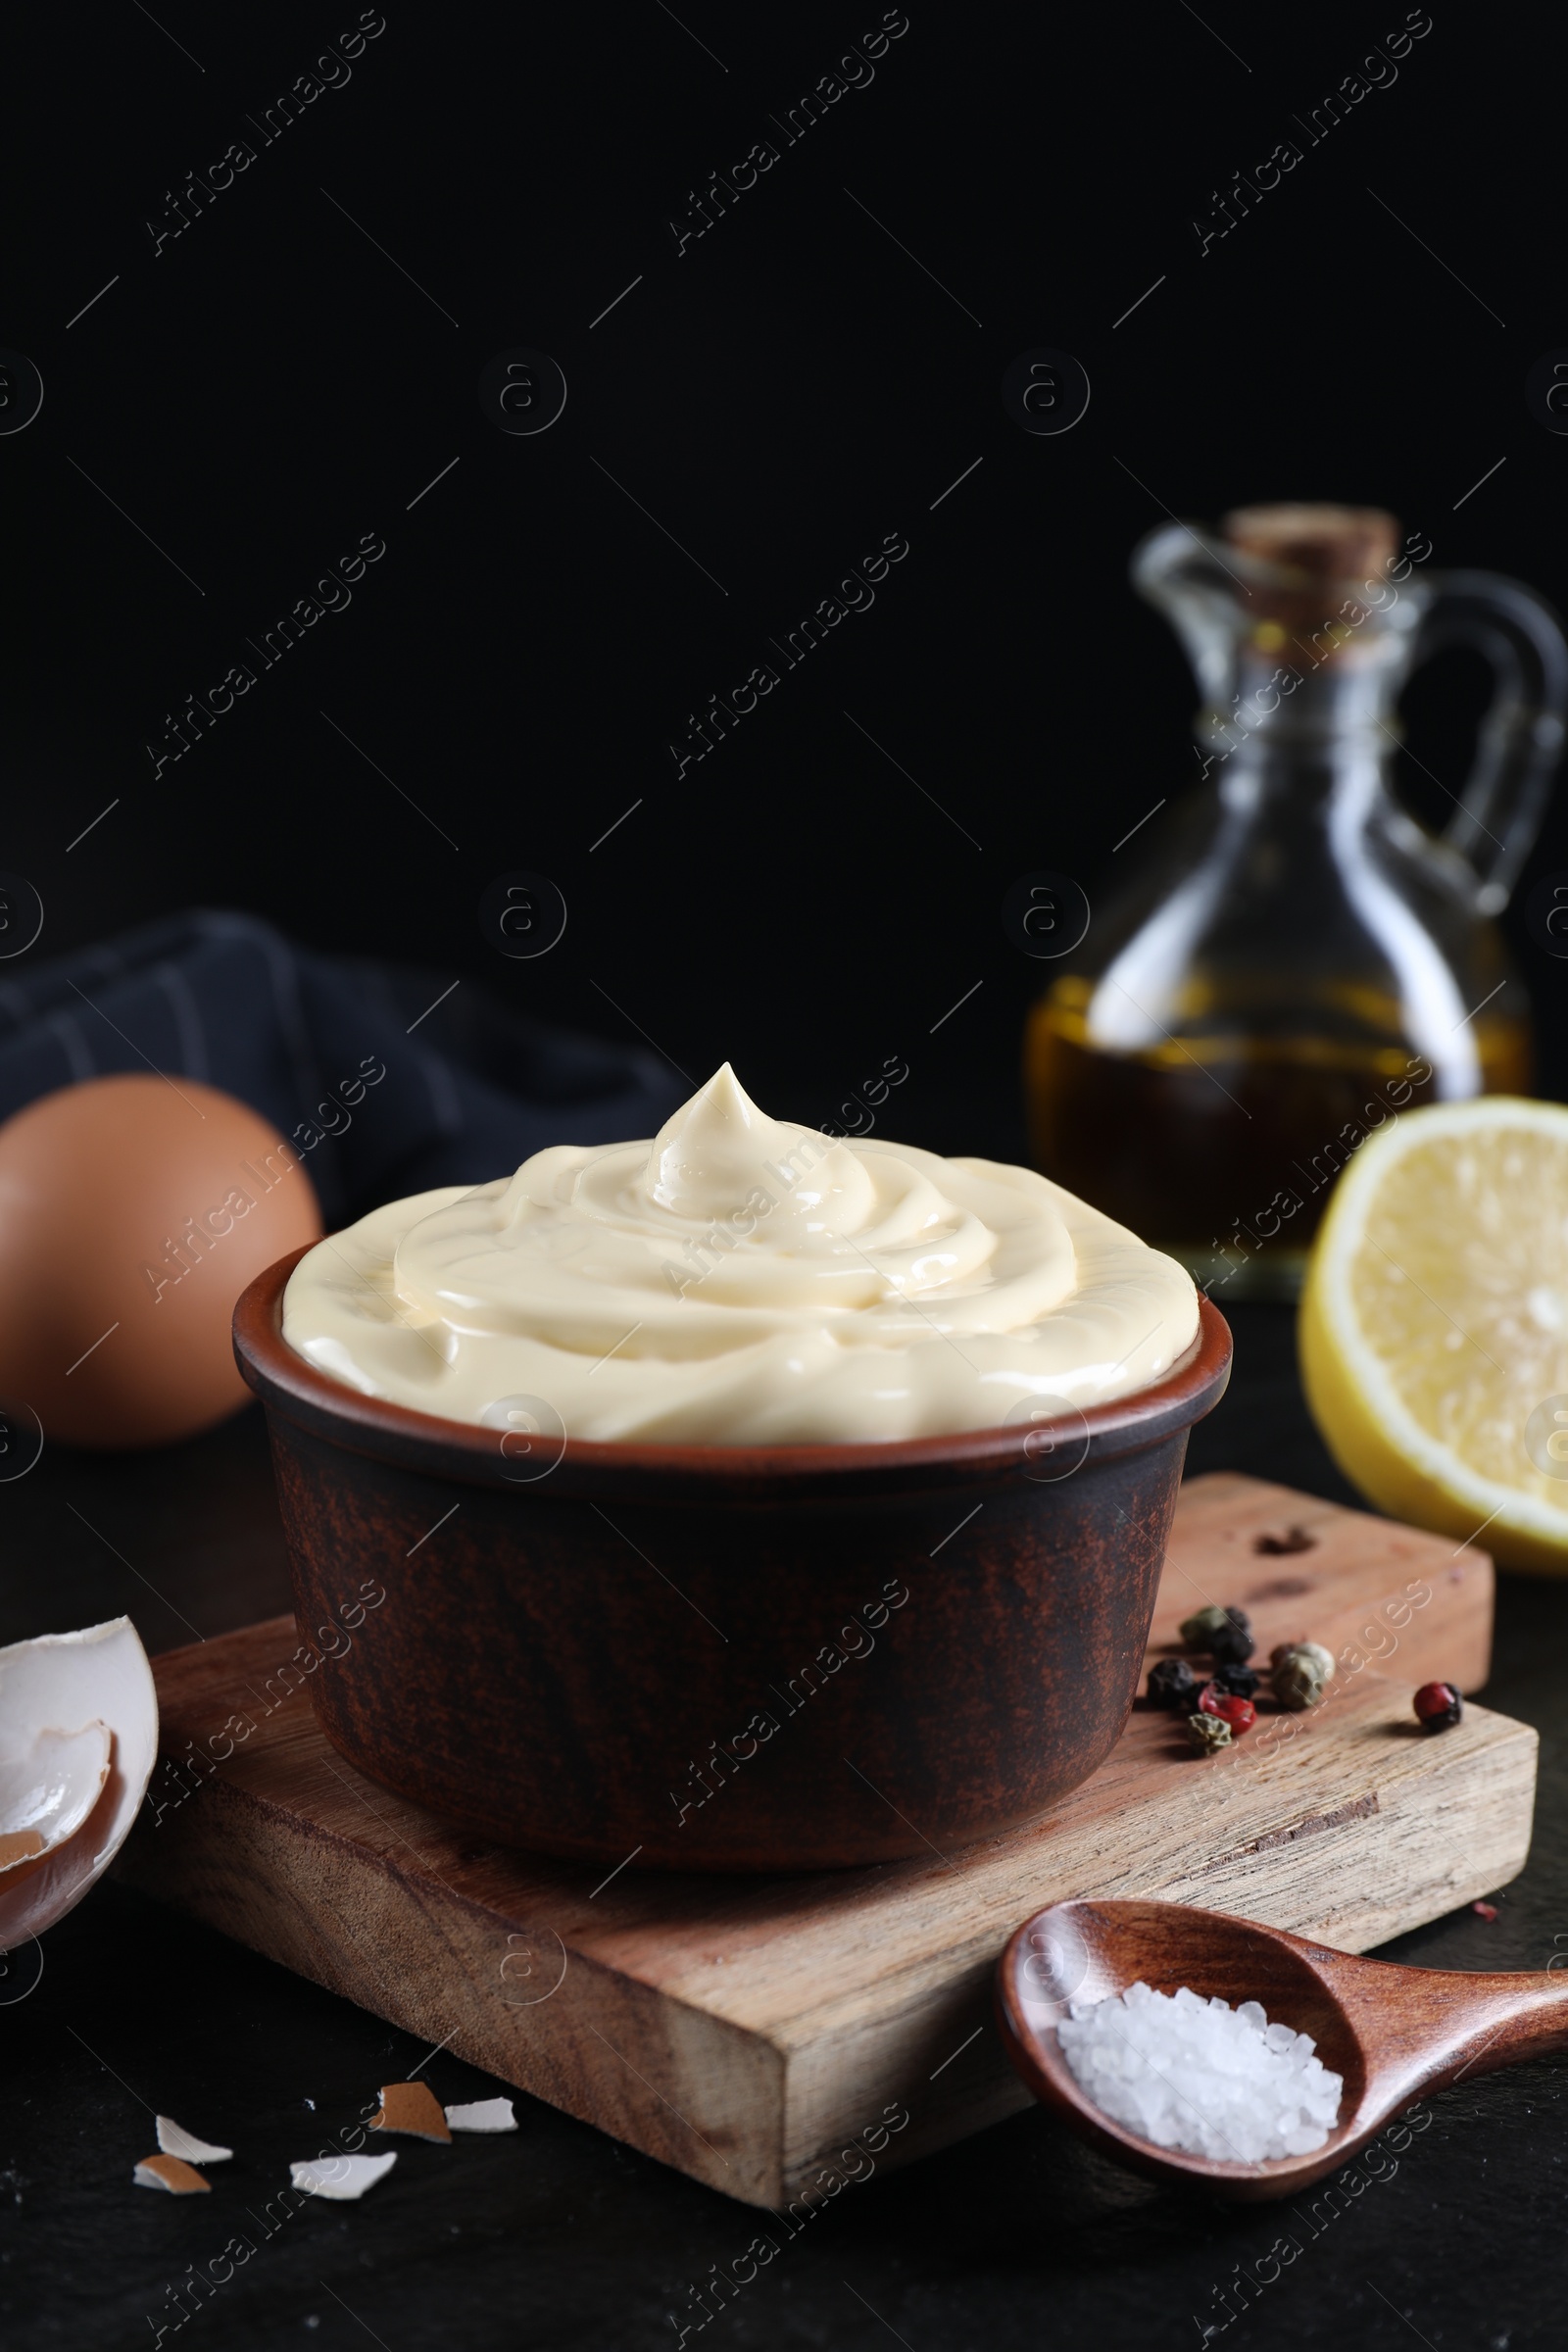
558	2237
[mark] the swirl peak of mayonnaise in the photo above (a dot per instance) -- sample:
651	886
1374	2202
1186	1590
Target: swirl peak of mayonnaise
742	1281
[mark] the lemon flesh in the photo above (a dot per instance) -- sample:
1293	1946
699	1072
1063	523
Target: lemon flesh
1434	1324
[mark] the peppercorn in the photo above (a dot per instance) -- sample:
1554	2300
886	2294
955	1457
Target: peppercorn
1173	1685
1226	1635
1241	1681
1437	1705
1302	1672
1207	1732
1238	1713
1232	1644
1285	1649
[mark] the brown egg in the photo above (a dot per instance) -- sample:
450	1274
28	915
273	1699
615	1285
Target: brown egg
134	1211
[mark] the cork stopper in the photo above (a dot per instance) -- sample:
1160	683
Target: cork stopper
1316	543
1310	557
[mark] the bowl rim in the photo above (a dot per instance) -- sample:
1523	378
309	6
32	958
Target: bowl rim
300	1392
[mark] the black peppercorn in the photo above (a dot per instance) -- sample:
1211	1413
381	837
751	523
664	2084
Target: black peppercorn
1173	1685
1231	1643
1240	1680
1224	1633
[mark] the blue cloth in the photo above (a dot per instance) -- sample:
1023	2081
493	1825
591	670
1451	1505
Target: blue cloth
468	1091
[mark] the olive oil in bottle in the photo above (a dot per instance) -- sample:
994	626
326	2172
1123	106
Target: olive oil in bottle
1294	961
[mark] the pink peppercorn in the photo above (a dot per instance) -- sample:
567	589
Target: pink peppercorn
1240	1713
1437	1705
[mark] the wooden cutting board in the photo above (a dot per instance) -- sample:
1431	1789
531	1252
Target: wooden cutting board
775	2037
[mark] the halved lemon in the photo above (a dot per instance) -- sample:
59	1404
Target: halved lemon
1433	1325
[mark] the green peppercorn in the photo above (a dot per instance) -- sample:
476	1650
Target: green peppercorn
1302	1672
1312	1650
1208	1733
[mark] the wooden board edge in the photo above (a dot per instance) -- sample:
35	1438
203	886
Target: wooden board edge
704	2096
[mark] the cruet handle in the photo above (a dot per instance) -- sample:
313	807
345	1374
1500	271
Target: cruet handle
1500	811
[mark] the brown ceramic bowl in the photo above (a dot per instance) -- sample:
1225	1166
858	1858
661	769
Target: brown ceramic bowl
696	1657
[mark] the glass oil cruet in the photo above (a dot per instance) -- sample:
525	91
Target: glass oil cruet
1295	958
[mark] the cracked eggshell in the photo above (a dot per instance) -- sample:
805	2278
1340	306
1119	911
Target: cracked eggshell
341	2178
411	2107
171	2173
48	1791
482	2114
175	2140
67	1684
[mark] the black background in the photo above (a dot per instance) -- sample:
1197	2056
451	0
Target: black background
789	391
780	396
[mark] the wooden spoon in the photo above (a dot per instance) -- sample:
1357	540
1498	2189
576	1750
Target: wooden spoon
1392	2033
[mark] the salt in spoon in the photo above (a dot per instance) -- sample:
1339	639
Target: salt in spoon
1392	2033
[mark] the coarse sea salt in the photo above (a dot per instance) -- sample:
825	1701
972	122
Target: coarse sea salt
1199	2075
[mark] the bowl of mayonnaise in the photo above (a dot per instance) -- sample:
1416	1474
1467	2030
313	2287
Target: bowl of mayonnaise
749	1497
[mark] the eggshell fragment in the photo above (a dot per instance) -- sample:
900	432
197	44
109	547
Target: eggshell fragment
411	2107
483	2115
340	2177
101	1677
48	1788
168	2171
175	2141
